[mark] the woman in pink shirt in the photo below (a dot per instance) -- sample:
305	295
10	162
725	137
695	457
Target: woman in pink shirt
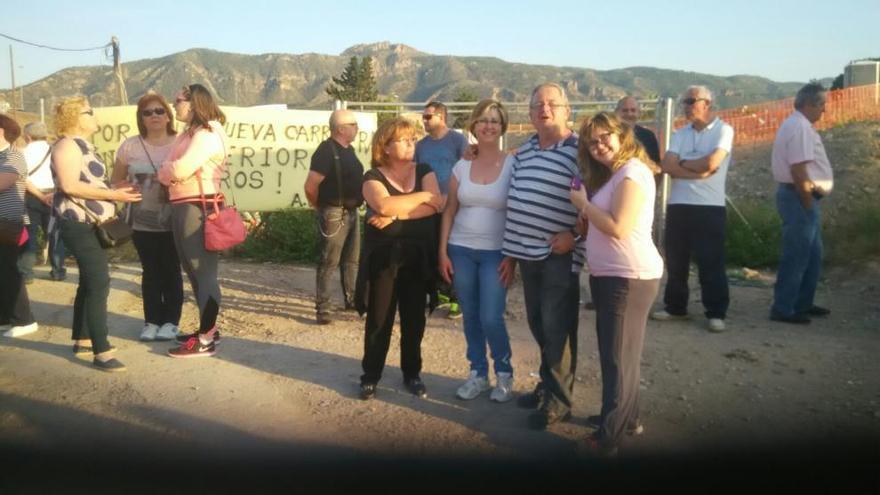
625	267
194	167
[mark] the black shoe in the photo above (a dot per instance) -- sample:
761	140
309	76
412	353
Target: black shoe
323	319
818	311
633	430
540	420
797	318
112	365
416	387
57	277
368	391
532	400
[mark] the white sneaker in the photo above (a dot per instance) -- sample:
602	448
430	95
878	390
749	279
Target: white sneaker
716	325
662	315
149	332
21	330
167	331
474	386
503	390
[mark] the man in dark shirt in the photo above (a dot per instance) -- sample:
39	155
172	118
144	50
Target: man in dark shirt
333	188
629	110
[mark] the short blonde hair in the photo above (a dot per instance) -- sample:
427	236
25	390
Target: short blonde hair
67	113
390	130
482	108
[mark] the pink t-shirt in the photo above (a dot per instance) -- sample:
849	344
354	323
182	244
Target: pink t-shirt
634	256
203	151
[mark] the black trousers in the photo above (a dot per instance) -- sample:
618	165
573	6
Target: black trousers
90	304
161	282
397	282
698	232
15	307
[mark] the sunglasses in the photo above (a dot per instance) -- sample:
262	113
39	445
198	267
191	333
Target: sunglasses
428	116
150	112
691	101
88	112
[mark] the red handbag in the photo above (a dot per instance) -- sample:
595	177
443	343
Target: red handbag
224	228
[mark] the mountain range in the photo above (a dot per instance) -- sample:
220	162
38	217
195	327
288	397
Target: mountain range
402	73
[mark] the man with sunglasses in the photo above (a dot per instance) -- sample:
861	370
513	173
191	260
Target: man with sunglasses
802	169
697	161
441	148
333	188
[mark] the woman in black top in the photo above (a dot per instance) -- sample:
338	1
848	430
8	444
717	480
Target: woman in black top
399	254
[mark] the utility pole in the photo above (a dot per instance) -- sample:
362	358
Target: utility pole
117	70
12	73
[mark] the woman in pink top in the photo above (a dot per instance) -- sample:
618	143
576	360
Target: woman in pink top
195	166
625	267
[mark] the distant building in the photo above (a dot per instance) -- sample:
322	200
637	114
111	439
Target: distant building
861	72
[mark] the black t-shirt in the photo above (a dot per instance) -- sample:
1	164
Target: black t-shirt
649	142
352	175
421	229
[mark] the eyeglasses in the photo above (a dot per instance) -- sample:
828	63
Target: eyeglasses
552	104
428	116
151	111
604	138
691	101
88	112
488	121
404	141
349	123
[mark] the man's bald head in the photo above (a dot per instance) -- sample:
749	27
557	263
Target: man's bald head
343	126
628	109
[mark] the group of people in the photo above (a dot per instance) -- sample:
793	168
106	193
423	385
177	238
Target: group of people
165	179
438	209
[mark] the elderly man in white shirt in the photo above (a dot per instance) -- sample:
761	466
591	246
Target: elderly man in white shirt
803	172
697	160
40	186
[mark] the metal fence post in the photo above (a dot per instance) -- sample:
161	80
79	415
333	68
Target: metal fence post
664	123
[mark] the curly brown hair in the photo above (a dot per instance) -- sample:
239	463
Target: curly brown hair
390	130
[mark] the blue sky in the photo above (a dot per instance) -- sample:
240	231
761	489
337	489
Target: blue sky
784	40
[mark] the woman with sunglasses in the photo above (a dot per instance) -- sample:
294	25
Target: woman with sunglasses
193	171
397	271
471	234
137	161
625	267
82	199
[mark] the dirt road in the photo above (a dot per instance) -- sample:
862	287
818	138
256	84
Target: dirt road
281	383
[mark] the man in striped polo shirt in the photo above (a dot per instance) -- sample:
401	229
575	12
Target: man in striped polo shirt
540	235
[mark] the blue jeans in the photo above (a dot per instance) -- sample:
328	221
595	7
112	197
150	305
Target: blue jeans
39	214
340	243
801	260
482	299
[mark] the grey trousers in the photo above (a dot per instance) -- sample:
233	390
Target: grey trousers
551	296
622	307
188	227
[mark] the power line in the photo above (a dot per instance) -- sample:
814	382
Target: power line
102	47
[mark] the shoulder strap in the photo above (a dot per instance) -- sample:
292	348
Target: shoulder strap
144	146
48	153
338	168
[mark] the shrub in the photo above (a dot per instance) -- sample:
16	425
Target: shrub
854	236
288	235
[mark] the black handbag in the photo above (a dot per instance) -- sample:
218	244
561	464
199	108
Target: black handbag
110	233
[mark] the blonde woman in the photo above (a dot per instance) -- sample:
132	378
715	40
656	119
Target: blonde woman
471	235
625	267
83	198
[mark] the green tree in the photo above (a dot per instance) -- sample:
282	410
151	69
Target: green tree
461	119
356	83
837	83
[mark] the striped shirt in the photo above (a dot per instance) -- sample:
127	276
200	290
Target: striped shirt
12	198
538	204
